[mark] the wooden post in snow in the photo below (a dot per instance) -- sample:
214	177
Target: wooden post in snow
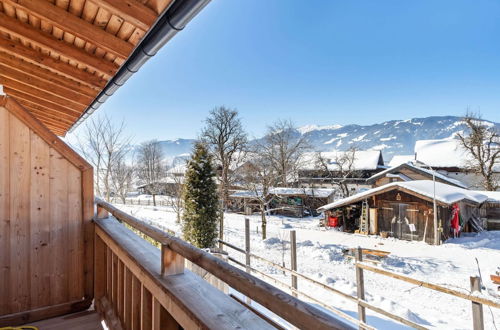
360	284
293	262
247	249
477	308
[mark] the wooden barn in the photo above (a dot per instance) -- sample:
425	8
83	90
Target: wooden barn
409	172
404	210
65	263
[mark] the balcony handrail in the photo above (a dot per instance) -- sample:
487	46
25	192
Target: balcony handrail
291	309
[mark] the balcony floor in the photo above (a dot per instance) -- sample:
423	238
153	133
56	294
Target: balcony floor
87	320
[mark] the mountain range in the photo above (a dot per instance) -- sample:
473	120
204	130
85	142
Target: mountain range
394	137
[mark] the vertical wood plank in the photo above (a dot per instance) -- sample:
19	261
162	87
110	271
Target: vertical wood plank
109	273
360	284
146	309
88	227
127	298
120	297
59	227
136	304
477	308
161	318
114	282
40	222
75	244
100	268
293	261
19	215
4	212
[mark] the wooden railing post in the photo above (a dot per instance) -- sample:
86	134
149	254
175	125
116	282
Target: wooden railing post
247	250
477	308
171	262
293	261
360	284
102	213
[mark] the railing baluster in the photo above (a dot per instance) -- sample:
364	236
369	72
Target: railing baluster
119	298
99	268
136	303
127	297
146	309
161	318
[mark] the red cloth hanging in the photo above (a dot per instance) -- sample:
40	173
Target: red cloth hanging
333	221
455	219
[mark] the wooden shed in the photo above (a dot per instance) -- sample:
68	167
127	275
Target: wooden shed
46	208
404	210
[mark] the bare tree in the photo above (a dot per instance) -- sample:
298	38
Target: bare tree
103	144
259	177
150	168
121	178
226	140
483	144
175	190
339	169
284	147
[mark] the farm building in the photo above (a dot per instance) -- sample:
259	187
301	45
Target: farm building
296	202
404	210
448	157
410	172
364	165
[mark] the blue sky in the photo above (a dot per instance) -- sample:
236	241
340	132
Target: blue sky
318	62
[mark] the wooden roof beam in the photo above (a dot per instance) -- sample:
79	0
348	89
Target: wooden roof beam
49	63
44	85
75	25
69	119
28	33
46	75
131	11
27	89
54	107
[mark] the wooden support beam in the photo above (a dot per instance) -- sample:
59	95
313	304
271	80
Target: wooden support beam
33	107
27	89
44	85
131	11
41	102
47	62
68	22
41	39
46	75
171	263
48	118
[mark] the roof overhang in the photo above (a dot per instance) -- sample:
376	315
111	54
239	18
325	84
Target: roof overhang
62	60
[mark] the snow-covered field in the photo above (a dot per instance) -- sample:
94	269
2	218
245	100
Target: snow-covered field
320	257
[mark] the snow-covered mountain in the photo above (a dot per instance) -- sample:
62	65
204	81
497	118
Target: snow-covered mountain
393	137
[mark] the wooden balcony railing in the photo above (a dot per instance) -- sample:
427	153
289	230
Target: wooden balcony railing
138	286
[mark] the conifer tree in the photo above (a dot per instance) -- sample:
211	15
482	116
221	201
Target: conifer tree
201	202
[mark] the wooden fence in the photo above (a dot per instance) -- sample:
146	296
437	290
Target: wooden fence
173	252
476	300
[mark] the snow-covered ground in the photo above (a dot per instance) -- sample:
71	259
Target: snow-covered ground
320	257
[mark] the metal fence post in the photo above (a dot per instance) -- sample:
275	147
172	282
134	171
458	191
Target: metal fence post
477	308
360	284
293	262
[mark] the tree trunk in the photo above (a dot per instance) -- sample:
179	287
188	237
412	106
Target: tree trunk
154	199
264	223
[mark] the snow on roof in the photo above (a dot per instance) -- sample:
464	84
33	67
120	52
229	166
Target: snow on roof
312	192
420	169
442	153
493	196
400	159
364	159
445	193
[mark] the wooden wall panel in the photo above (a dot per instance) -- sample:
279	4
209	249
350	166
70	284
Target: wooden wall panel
40	221
19	214
45	213
4	212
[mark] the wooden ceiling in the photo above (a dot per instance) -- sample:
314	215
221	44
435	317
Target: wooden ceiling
57	55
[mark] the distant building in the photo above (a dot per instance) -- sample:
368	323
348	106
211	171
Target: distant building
366	164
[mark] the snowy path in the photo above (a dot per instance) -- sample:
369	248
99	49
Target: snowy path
320	257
